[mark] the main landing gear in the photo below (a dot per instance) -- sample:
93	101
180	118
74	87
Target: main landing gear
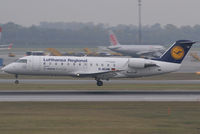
16	81
99	83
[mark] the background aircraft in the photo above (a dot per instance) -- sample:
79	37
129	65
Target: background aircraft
4	47
87	52
102	54
101	68
134	50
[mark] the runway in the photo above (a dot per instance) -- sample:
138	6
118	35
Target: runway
78	81
99	96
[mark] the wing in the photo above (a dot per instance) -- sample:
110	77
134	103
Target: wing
99	75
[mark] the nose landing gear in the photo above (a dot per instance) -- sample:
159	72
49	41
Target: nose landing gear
16	81
99	83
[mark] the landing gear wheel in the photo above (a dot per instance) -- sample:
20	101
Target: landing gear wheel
16	82
99	83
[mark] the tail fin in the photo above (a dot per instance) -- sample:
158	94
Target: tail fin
177	52
10	46
113	39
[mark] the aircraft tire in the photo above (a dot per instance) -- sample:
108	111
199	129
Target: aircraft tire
16	81
99	83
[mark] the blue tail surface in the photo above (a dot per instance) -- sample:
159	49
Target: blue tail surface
177	52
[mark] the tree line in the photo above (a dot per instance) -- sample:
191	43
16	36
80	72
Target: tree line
74	34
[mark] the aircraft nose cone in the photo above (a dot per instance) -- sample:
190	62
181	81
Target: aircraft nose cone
7	69
4	69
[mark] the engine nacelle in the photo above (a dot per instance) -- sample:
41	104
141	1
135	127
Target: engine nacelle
140	63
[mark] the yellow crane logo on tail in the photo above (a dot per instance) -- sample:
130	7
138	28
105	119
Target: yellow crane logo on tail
177	52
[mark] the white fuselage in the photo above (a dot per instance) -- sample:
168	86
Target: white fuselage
73	66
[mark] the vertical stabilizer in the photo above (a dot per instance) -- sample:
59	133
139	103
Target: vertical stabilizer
113	39
177	52
10	46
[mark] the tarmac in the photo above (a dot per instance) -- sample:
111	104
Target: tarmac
99	96
80	81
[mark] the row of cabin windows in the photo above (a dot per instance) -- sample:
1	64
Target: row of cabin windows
25	61
108	65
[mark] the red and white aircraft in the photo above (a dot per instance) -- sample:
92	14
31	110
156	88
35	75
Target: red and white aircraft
134	50
7	46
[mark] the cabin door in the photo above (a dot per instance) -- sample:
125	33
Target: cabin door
36	63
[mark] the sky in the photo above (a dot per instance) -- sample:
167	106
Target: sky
112	12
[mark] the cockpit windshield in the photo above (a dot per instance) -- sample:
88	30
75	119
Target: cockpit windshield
21	61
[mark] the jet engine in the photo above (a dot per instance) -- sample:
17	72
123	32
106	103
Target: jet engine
140	63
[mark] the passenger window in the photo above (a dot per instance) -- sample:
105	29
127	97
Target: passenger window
61	63
102	65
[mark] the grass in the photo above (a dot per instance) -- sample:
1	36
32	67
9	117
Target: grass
100	118
94	87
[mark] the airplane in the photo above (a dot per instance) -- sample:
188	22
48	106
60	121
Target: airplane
101	54
91	53
134	50
4	47
101	68
87	52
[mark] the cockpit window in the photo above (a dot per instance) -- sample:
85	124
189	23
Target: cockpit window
21	61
